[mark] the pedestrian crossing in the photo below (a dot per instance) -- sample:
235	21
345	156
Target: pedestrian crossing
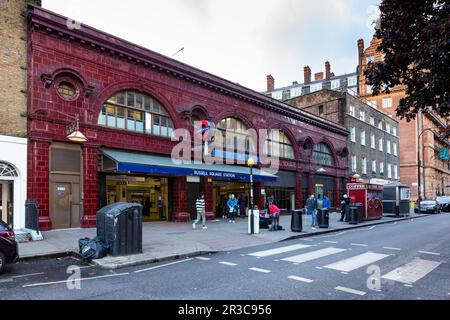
336	257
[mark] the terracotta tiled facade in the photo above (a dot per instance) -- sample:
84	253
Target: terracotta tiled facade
437	173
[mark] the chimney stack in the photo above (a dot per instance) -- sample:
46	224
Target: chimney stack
360	52
327	70
270	83
294	83
318	76
307	75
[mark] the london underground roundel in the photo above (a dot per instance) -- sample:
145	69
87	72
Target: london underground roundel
202	129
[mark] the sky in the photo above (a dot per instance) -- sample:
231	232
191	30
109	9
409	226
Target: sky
240	40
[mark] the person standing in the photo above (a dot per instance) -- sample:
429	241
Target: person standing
311	208
200	206
232	207
242	205
326	203
345	202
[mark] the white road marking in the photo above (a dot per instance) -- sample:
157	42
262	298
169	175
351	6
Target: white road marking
27	275
356	262
343	272
408	285
300	279
203	258
275	251
348	290
334	242
432	253
164	265
313	255
391	248
71	280
260	270
228	263
320	268
412	271
306	239
359	245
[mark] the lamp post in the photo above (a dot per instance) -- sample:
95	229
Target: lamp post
251	163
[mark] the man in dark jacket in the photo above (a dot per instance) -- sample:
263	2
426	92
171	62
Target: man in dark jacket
345	202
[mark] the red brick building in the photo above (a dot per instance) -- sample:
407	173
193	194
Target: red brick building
129	100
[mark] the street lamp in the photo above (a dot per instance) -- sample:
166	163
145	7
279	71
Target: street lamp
251	163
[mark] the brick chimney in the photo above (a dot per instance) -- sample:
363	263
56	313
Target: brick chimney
360	52
294	83
327	70
318	76
307	75
270	83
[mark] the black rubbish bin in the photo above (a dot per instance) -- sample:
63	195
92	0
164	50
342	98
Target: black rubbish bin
359	213
323	218
119	227
31	215
347	213
297	221
353	215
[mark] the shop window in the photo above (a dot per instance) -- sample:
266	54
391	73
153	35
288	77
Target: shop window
322	155
138	112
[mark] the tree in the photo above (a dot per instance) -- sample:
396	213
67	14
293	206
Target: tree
415	44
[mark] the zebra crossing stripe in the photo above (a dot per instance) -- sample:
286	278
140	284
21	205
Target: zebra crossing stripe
313	255
349	290
356	262
228	263
412	271
275	251
300	279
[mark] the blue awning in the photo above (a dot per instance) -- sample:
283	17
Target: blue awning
146	163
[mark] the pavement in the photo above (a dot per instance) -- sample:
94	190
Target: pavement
403	260
170	240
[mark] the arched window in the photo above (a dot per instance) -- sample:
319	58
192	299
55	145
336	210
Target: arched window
7	170
278	145
322	154
235	135
138	112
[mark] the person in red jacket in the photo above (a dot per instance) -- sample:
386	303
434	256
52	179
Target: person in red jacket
274	211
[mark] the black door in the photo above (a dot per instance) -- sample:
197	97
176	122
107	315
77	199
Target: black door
193	189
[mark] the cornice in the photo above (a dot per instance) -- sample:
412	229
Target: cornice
51	23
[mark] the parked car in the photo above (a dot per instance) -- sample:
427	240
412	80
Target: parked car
444	203
428	206
9	252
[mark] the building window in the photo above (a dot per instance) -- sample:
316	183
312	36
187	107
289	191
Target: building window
286	95
380	144
387	103
66	90
322	155
363	138
388	147
353	163
235	136
295	92
372	121
394	146
389	170
362	115
369	89
279	145
372	141
364	165
335	84
134	111
388	128
321	112
277	95
353	134
374	166
395	172
380	125
394	131
372	103
316	87
382	168
352	110
351	81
